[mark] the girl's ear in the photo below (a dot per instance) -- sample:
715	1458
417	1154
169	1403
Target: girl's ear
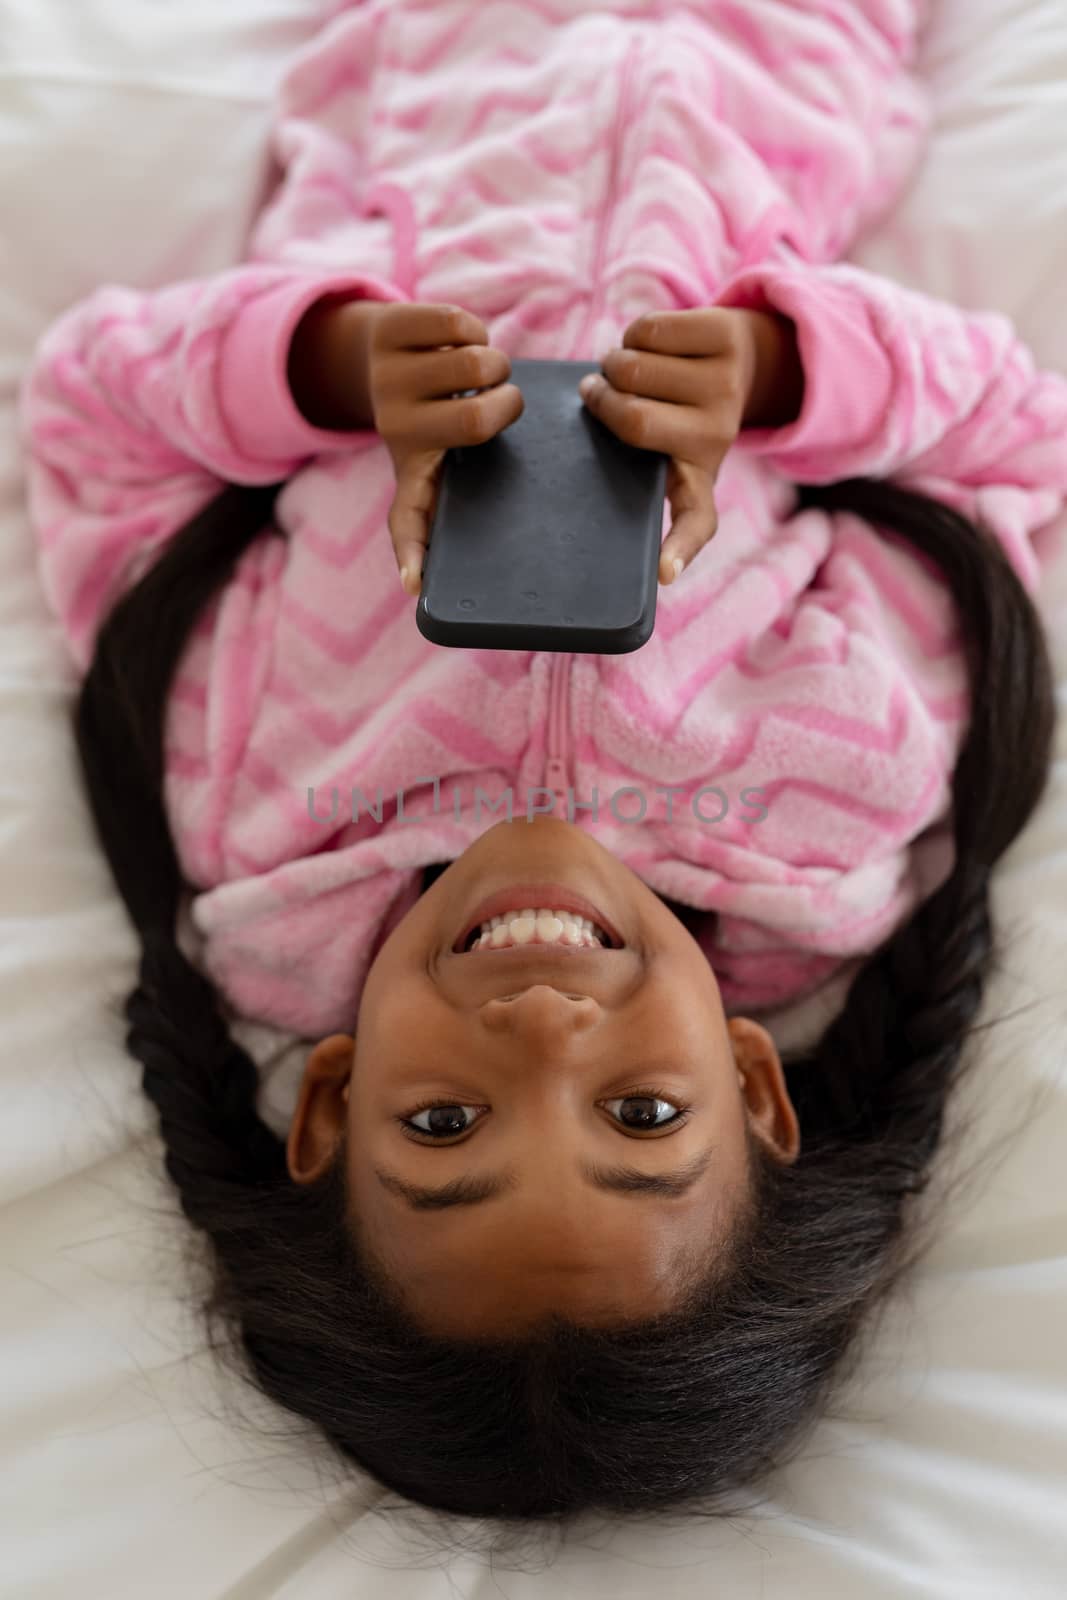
768	1105
321	1110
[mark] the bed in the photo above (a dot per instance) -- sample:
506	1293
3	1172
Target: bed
133	149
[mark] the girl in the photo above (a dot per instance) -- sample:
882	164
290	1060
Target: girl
555	1226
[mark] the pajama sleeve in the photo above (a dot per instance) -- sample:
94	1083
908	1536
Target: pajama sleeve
138	406
904	386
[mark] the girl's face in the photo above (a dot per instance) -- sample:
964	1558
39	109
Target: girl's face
554	1069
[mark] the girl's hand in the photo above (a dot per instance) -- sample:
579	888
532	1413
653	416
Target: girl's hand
403	369
421	361
685	383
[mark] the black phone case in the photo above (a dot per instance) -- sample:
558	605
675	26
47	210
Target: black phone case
548	536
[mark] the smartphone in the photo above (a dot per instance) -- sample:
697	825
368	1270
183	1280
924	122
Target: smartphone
548	536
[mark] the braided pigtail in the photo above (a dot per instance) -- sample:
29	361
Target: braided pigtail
891	1054
200	1080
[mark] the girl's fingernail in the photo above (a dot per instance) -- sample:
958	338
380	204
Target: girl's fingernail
586	384
404	575
677	564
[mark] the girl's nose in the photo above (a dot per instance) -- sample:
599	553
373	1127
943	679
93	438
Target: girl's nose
540	1006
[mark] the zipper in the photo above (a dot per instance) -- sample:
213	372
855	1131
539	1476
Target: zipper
557	774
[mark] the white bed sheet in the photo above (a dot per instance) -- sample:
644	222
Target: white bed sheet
133	149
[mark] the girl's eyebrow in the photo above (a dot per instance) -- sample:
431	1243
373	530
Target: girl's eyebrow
472	1191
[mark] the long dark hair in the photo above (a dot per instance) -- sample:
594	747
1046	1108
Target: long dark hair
681	1411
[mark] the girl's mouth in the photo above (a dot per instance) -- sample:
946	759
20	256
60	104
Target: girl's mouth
535	927
533	915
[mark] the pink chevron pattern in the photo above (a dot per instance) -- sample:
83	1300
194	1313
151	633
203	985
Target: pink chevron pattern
557	169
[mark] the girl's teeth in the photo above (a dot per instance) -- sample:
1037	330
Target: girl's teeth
538	925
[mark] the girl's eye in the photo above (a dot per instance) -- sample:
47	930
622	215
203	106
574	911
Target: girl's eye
445	1119
643	1112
